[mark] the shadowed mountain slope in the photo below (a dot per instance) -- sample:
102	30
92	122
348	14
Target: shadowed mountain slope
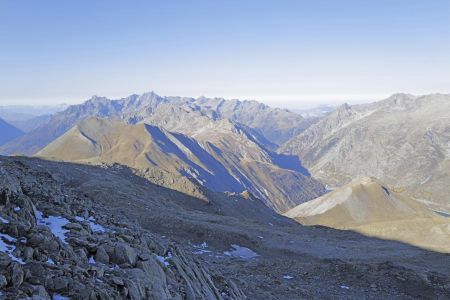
221	159
8	132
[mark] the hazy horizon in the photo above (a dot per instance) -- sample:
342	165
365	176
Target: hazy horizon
301	104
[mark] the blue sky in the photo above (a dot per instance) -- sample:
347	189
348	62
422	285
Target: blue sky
285	53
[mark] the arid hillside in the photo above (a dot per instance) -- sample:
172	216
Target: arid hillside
369	207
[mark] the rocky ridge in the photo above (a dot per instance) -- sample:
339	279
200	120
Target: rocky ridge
403	140
225	159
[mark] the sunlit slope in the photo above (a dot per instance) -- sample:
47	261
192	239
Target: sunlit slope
221	158
369	207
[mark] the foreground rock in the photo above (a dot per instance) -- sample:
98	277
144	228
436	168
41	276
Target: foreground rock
54	242
87	232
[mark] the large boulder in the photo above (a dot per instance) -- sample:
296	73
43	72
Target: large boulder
124	254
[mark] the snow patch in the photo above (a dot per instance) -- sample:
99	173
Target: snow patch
201	249
241	252
91	260
80	219
59	297
55	224
288	277
195	174
163	259
4	221
7	248
95	227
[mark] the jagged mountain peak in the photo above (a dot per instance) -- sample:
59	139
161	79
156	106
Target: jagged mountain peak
97	99
342	110
179	114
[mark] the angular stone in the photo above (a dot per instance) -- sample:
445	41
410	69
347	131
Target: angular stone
124	254
73	226
36	239
28	253
134	292
3	281
101	255
117	281
59	284
16	275
40	293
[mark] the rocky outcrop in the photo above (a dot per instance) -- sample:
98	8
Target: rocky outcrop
55	242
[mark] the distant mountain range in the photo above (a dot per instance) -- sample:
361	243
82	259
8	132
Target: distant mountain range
26	112
223	145
171	197
178	114
29	117
235	146
403	141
